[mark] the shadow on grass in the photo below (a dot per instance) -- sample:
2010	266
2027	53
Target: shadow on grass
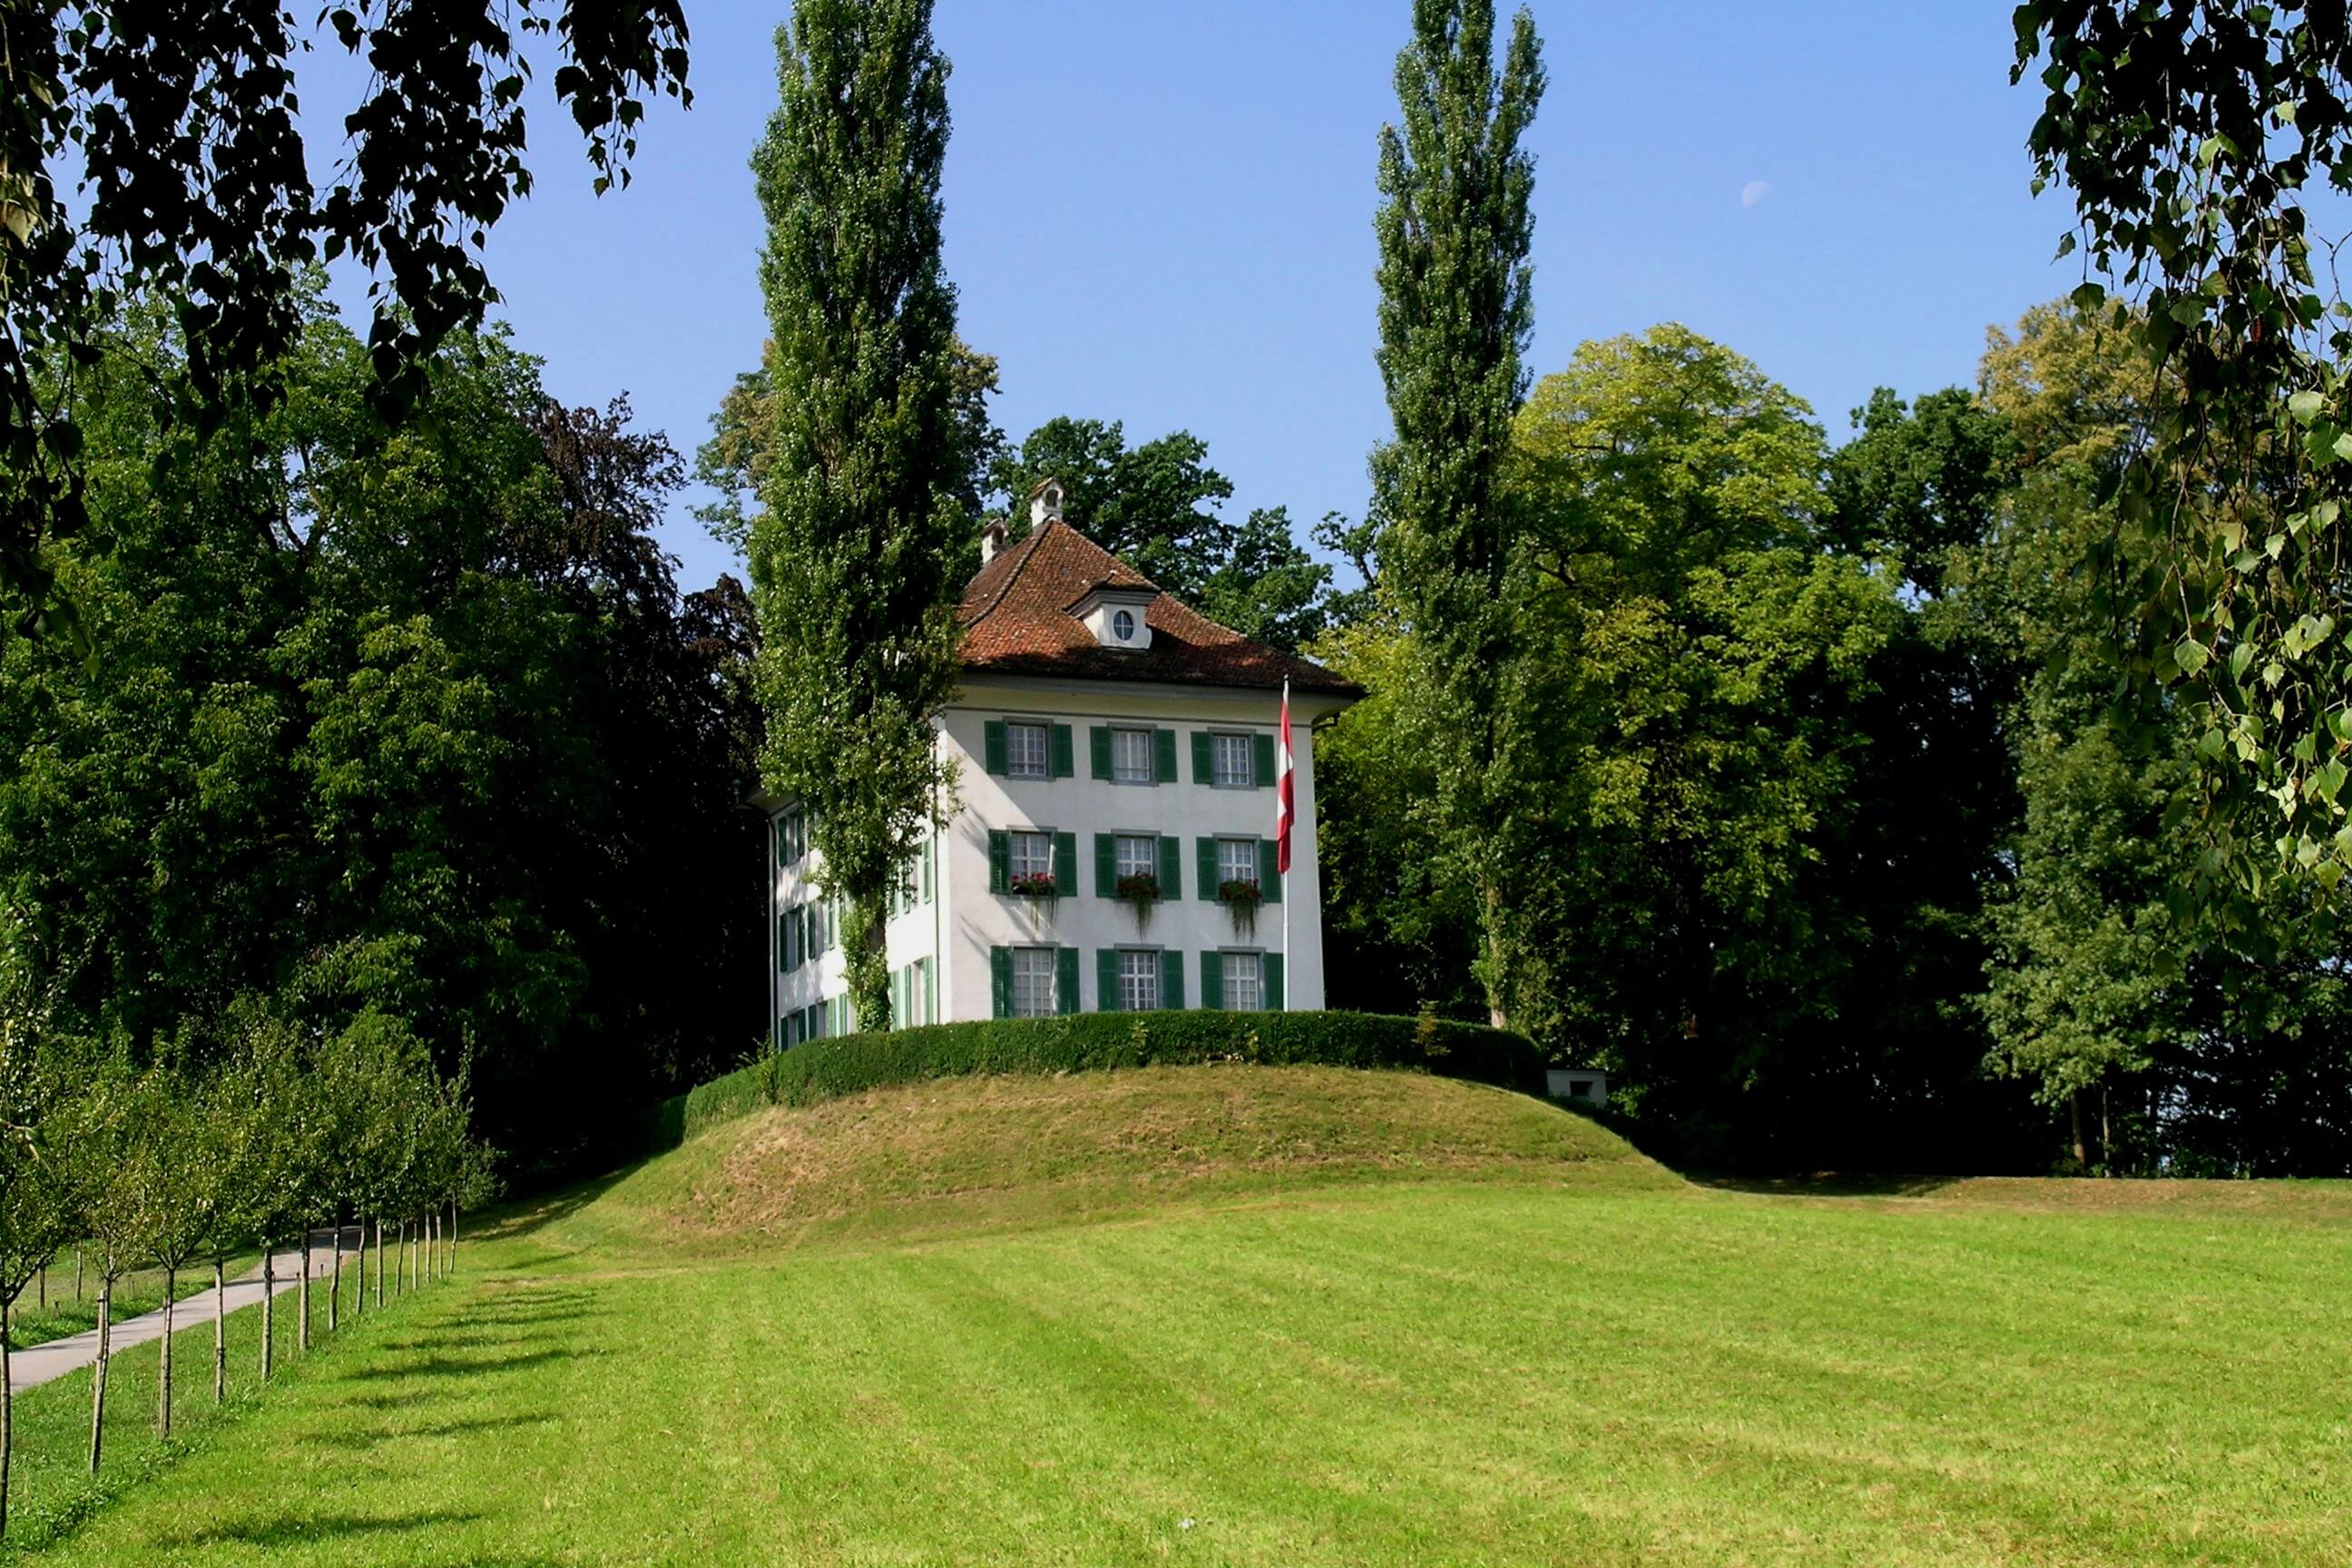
470	1366
457	1427
289	1530
1824	1185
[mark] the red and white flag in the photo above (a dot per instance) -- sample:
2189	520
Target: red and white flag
1285	814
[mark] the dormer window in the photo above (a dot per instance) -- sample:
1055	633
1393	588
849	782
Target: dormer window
1116	616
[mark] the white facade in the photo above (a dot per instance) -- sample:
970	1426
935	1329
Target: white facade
964	945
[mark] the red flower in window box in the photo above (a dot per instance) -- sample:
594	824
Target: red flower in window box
1036	885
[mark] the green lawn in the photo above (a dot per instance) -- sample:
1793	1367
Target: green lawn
1291	1316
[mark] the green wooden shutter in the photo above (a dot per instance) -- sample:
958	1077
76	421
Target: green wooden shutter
1106	866
1066	981
999	862
1212	979
1206	863
1269	880
1171	979
1163	755
1270	984
1000	982
1172	867
1064	765
994	748
1204	765
1107	998
1066	864
1262	753
1098	751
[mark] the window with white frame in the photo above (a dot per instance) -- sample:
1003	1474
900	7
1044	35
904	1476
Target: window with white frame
1138	979
1031	854
1138	855
1130	756
1237	860
1026	755
1245	988
1034	971
919	991
1236	767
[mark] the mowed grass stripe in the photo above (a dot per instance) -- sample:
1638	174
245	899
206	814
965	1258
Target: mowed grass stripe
1539	1368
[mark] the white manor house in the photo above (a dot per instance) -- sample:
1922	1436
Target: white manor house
1114	849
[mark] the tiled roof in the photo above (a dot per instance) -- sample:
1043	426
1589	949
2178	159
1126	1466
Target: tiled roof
1016	618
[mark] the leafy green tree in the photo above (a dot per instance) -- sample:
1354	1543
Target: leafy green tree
734	461
1699	657
37	1214
184	121
1454	225
172	1186
2190	137
857	551
428	711
103	1129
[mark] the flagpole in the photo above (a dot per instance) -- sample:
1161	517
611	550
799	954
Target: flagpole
1291	828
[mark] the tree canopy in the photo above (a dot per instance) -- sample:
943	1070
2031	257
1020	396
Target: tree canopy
183	122
857	551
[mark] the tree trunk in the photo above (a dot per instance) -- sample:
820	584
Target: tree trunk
77	1276
2074	1113
7	1425
303	1302
269	1308
1498	1010
163	1377
2106	1133
220	1332
433	1246
335	1297
379	1260
98	1376
453	1236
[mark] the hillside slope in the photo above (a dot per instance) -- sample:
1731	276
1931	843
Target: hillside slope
954	1156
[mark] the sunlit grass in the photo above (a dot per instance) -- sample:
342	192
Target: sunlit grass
1483	1353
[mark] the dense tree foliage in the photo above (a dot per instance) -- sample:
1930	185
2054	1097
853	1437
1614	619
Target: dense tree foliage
407	722
183	122
2191	137
858	547
1856	841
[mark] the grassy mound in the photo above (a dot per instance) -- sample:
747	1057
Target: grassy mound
825	1070
941	1155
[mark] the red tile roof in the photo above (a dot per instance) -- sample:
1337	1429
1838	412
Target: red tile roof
1016	619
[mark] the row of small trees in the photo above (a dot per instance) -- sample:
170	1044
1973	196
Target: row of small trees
252	1138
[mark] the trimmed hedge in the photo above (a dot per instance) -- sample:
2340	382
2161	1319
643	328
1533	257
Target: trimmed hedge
851	1064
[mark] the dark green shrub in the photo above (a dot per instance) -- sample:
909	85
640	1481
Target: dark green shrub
1086	1042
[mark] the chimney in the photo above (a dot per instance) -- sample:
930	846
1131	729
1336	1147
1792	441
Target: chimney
1045	503
991	538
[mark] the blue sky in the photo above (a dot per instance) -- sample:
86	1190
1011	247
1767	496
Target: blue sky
1161	212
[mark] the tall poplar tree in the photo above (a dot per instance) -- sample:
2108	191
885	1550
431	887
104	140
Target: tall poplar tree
1454	315
855	555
